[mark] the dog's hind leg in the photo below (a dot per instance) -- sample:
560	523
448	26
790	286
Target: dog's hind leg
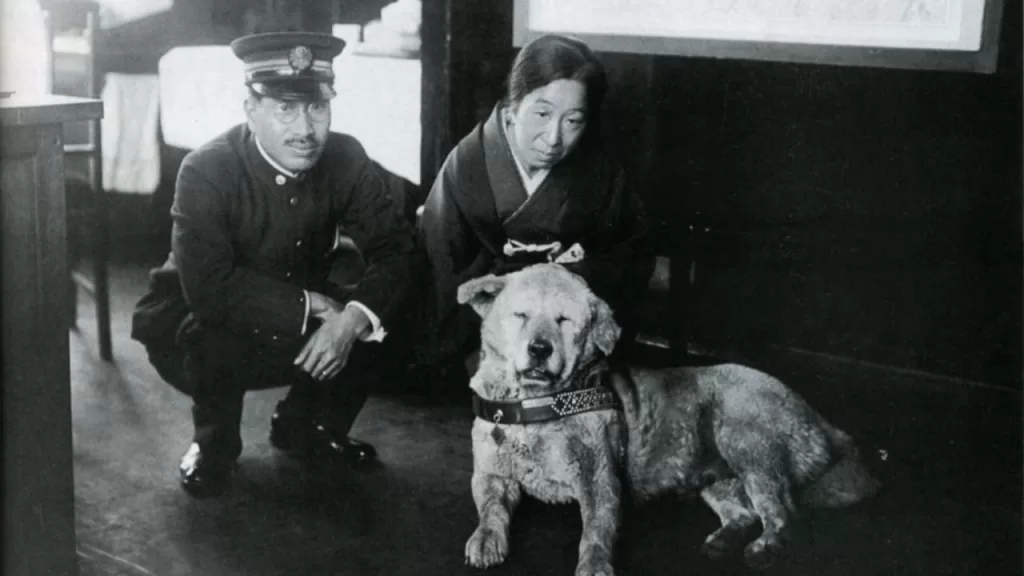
771	497
496	499
729	501
761	466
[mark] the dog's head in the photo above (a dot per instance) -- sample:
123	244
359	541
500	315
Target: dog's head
539	326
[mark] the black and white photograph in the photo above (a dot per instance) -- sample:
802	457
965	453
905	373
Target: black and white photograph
512	287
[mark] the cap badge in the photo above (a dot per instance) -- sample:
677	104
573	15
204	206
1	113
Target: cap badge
300	58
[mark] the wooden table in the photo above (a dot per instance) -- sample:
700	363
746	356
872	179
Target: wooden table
38	489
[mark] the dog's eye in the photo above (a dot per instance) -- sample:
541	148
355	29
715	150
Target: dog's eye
562	320
520	315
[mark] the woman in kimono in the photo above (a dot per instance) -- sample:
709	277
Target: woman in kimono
532	184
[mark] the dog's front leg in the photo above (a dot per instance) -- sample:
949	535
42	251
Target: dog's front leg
600	500
496	499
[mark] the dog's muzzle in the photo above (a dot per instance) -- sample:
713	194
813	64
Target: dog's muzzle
537	376
540	349
538	370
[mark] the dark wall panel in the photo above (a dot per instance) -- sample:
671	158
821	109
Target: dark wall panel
867	213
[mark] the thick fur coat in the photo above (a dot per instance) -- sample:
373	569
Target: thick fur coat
752	449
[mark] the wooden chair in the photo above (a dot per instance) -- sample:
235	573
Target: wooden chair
61	14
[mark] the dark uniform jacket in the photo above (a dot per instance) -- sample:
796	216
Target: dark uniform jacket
478	204
247	240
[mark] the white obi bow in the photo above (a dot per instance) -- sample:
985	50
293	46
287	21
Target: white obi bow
554	251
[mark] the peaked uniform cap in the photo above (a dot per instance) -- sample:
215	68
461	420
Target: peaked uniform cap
289	65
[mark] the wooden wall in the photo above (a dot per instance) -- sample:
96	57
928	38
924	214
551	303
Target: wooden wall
869	214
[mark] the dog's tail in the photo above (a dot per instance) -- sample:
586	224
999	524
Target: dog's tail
847	482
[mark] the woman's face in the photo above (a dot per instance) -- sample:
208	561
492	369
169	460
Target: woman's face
547	123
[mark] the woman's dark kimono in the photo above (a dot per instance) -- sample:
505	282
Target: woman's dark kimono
478	203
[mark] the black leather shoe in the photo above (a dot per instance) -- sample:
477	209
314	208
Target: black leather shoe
203	475
341	449
291	434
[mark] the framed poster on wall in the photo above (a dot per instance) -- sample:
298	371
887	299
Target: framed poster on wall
926	34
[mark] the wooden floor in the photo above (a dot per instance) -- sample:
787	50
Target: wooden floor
950	456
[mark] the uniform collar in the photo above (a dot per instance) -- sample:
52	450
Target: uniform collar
271	161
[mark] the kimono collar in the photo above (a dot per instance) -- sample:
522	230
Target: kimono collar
530	183
507	177
490	191
503	173
574	174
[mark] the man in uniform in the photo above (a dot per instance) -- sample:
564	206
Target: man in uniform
249	297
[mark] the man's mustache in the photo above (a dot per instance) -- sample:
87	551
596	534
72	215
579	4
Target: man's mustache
303	142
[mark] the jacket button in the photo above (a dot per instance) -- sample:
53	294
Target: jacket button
275	337
287	274
294	201
298	243
280	180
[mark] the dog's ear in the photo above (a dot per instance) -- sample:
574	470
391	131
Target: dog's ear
605	331
481	292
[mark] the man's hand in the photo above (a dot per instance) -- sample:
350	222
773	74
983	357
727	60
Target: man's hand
326	352
322	307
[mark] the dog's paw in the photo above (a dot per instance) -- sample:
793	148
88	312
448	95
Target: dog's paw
763	552
486	548
594	567
725	540
718	545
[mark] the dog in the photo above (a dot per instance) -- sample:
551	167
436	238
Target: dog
554	420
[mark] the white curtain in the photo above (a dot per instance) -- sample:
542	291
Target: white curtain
117	12
131	152
24	61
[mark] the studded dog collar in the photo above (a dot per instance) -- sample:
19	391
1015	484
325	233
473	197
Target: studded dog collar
596	396
546	407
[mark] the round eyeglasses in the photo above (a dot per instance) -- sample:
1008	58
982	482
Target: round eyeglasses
288	112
